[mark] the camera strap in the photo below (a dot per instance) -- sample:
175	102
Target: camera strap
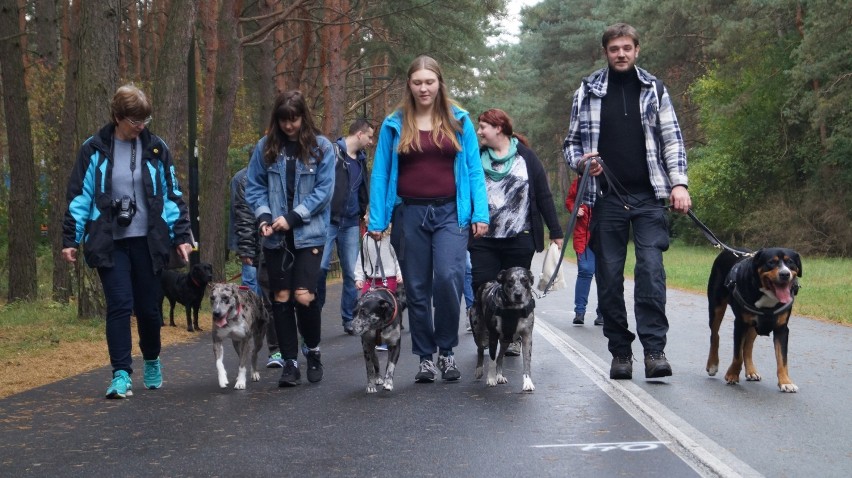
133	167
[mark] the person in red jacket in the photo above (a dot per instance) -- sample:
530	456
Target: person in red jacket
585	256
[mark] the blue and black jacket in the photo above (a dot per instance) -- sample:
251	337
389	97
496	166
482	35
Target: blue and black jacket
89	219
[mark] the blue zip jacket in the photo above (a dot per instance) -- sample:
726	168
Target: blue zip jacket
89	217
266	193
471	196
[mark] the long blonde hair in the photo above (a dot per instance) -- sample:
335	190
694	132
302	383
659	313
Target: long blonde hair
443	121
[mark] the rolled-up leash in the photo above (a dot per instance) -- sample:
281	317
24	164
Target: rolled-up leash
569	230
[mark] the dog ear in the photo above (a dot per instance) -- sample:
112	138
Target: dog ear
796	259
500	275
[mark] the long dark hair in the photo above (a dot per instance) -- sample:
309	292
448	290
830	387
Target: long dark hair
288	106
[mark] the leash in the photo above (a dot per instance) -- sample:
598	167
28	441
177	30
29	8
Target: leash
615	185
581	187
373	287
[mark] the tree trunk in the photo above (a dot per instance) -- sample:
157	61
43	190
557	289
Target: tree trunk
97	77
333	70
170	93
215	151
56	150
23	284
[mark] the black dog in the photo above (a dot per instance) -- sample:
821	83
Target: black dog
187	289
378	318
503	311
760	289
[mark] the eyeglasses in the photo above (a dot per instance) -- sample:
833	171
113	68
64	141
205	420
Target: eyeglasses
144	122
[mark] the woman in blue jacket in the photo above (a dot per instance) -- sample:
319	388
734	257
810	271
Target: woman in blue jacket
289	185
126	209
427	175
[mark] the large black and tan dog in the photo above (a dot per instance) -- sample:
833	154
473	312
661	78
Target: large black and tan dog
187	289
377	318
503	311
239	315
760	289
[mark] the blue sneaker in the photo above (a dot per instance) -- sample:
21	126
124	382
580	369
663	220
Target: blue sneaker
120	386
153	374
275	361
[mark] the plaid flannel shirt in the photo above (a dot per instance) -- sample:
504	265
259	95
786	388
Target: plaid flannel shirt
660	125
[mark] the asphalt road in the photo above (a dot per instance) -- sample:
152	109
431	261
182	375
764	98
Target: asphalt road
576	423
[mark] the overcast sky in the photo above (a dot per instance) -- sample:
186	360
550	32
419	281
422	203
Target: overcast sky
511	24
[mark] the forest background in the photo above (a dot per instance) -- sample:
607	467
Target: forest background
761	89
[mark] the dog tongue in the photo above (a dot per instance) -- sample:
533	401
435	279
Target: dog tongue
783	294
222	322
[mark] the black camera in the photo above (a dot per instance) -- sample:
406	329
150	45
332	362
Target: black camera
125	209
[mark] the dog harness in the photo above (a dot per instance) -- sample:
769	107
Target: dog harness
765	312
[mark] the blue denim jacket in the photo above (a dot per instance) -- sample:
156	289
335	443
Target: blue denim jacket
266	192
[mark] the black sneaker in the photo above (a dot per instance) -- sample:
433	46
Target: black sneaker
447	365
621	368
314	366
656	365
289	374
579	319
599	320
427	372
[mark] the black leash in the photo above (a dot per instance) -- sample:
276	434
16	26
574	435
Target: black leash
581	188
614	186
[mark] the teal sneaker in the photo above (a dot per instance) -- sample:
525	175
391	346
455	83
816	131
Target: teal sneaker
153	376
121	385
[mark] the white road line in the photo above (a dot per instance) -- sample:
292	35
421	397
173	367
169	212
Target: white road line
696	449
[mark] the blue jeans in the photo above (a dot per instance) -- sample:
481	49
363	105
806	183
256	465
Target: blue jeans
431	248
610	227
130	286
249	278
585	272
348	240
468	284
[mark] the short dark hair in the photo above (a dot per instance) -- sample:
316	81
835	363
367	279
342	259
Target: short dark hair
619	30
360	124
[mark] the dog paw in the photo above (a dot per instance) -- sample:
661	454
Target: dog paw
491	382
732	379
379	381
753	377
502	379
528	384
388	385
712	370
788	387
240	385
223	383
478	373
255	376
371	388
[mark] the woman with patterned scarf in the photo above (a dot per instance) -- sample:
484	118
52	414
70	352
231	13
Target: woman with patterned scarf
518	199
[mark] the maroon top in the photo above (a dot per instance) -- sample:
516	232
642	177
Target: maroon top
429	173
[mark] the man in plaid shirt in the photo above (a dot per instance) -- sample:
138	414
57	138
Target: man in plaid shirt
630	135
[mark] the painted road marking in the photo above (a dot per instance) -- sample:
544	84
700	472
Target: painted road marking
623	446
696	449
